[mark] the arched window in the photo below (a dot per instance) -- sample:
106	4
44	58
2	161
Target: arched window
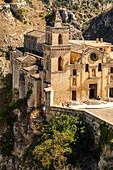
87	68
60	64
47	62
74	72
60	40
99	67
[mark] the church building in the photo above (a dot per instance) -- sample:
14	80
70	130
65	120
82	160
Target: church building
59	70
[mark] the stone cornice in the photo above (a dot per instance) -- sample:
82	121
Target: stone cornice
55	29
57	47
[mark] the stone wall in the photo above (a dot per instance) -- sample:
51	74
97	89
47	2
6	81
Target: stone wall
33	43
88	117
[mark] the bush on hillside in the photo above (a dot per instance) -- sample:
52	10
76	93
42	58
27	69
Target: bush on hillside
20	14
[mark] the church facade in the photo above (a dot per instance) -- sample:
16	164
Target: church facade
59	70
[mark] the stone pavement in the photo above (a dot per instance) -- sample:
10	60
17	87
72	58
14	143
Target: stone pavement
105	114
102	111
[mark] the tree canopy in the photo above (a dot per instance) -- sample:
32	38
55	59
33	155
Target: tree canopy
64	139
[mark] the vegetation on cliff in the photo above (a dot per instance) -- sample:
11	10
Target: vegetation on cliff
7	117
62	142
84	10
106	135
64	139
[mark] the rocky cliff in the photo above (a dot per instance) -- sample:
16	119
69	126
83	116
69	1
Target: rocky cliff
101	27
14	27
25	131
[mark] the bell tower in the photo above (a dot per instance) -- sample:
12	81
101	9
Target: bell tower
57	35
57	56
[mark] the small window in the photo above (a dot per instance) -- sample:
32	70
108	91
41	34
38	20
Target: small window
87	68
99	67
73	95
100	49
111	69
111	92
60	64
74	72
60	40
47	62
48	38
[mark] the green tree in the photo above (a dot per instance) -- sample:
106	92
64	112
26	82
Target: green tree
64	137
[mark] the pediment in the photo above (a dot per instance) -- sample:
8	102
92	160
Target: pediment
91	50
93	55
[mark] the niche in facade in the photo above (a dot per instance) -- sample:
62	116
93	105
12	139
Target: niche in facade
93	72
74	82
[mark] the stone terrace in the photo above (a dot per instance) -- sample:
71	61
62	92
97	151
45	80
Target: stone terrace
105	114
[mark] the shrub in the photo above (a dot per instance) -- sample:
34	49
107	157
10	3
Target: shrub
30	4
25	22
20	14
106	135
41	14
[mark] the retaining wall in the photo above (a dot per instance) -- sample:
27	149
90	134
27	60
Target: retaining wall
90	118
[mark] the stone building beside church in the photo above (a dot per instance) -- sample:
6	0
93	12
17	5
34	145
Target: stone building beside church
60	70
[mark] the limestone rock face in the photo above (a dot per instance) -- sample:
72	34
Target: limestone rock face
100	26
64	15
74	27
23	137
75	34
102	163
106	159
67	15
